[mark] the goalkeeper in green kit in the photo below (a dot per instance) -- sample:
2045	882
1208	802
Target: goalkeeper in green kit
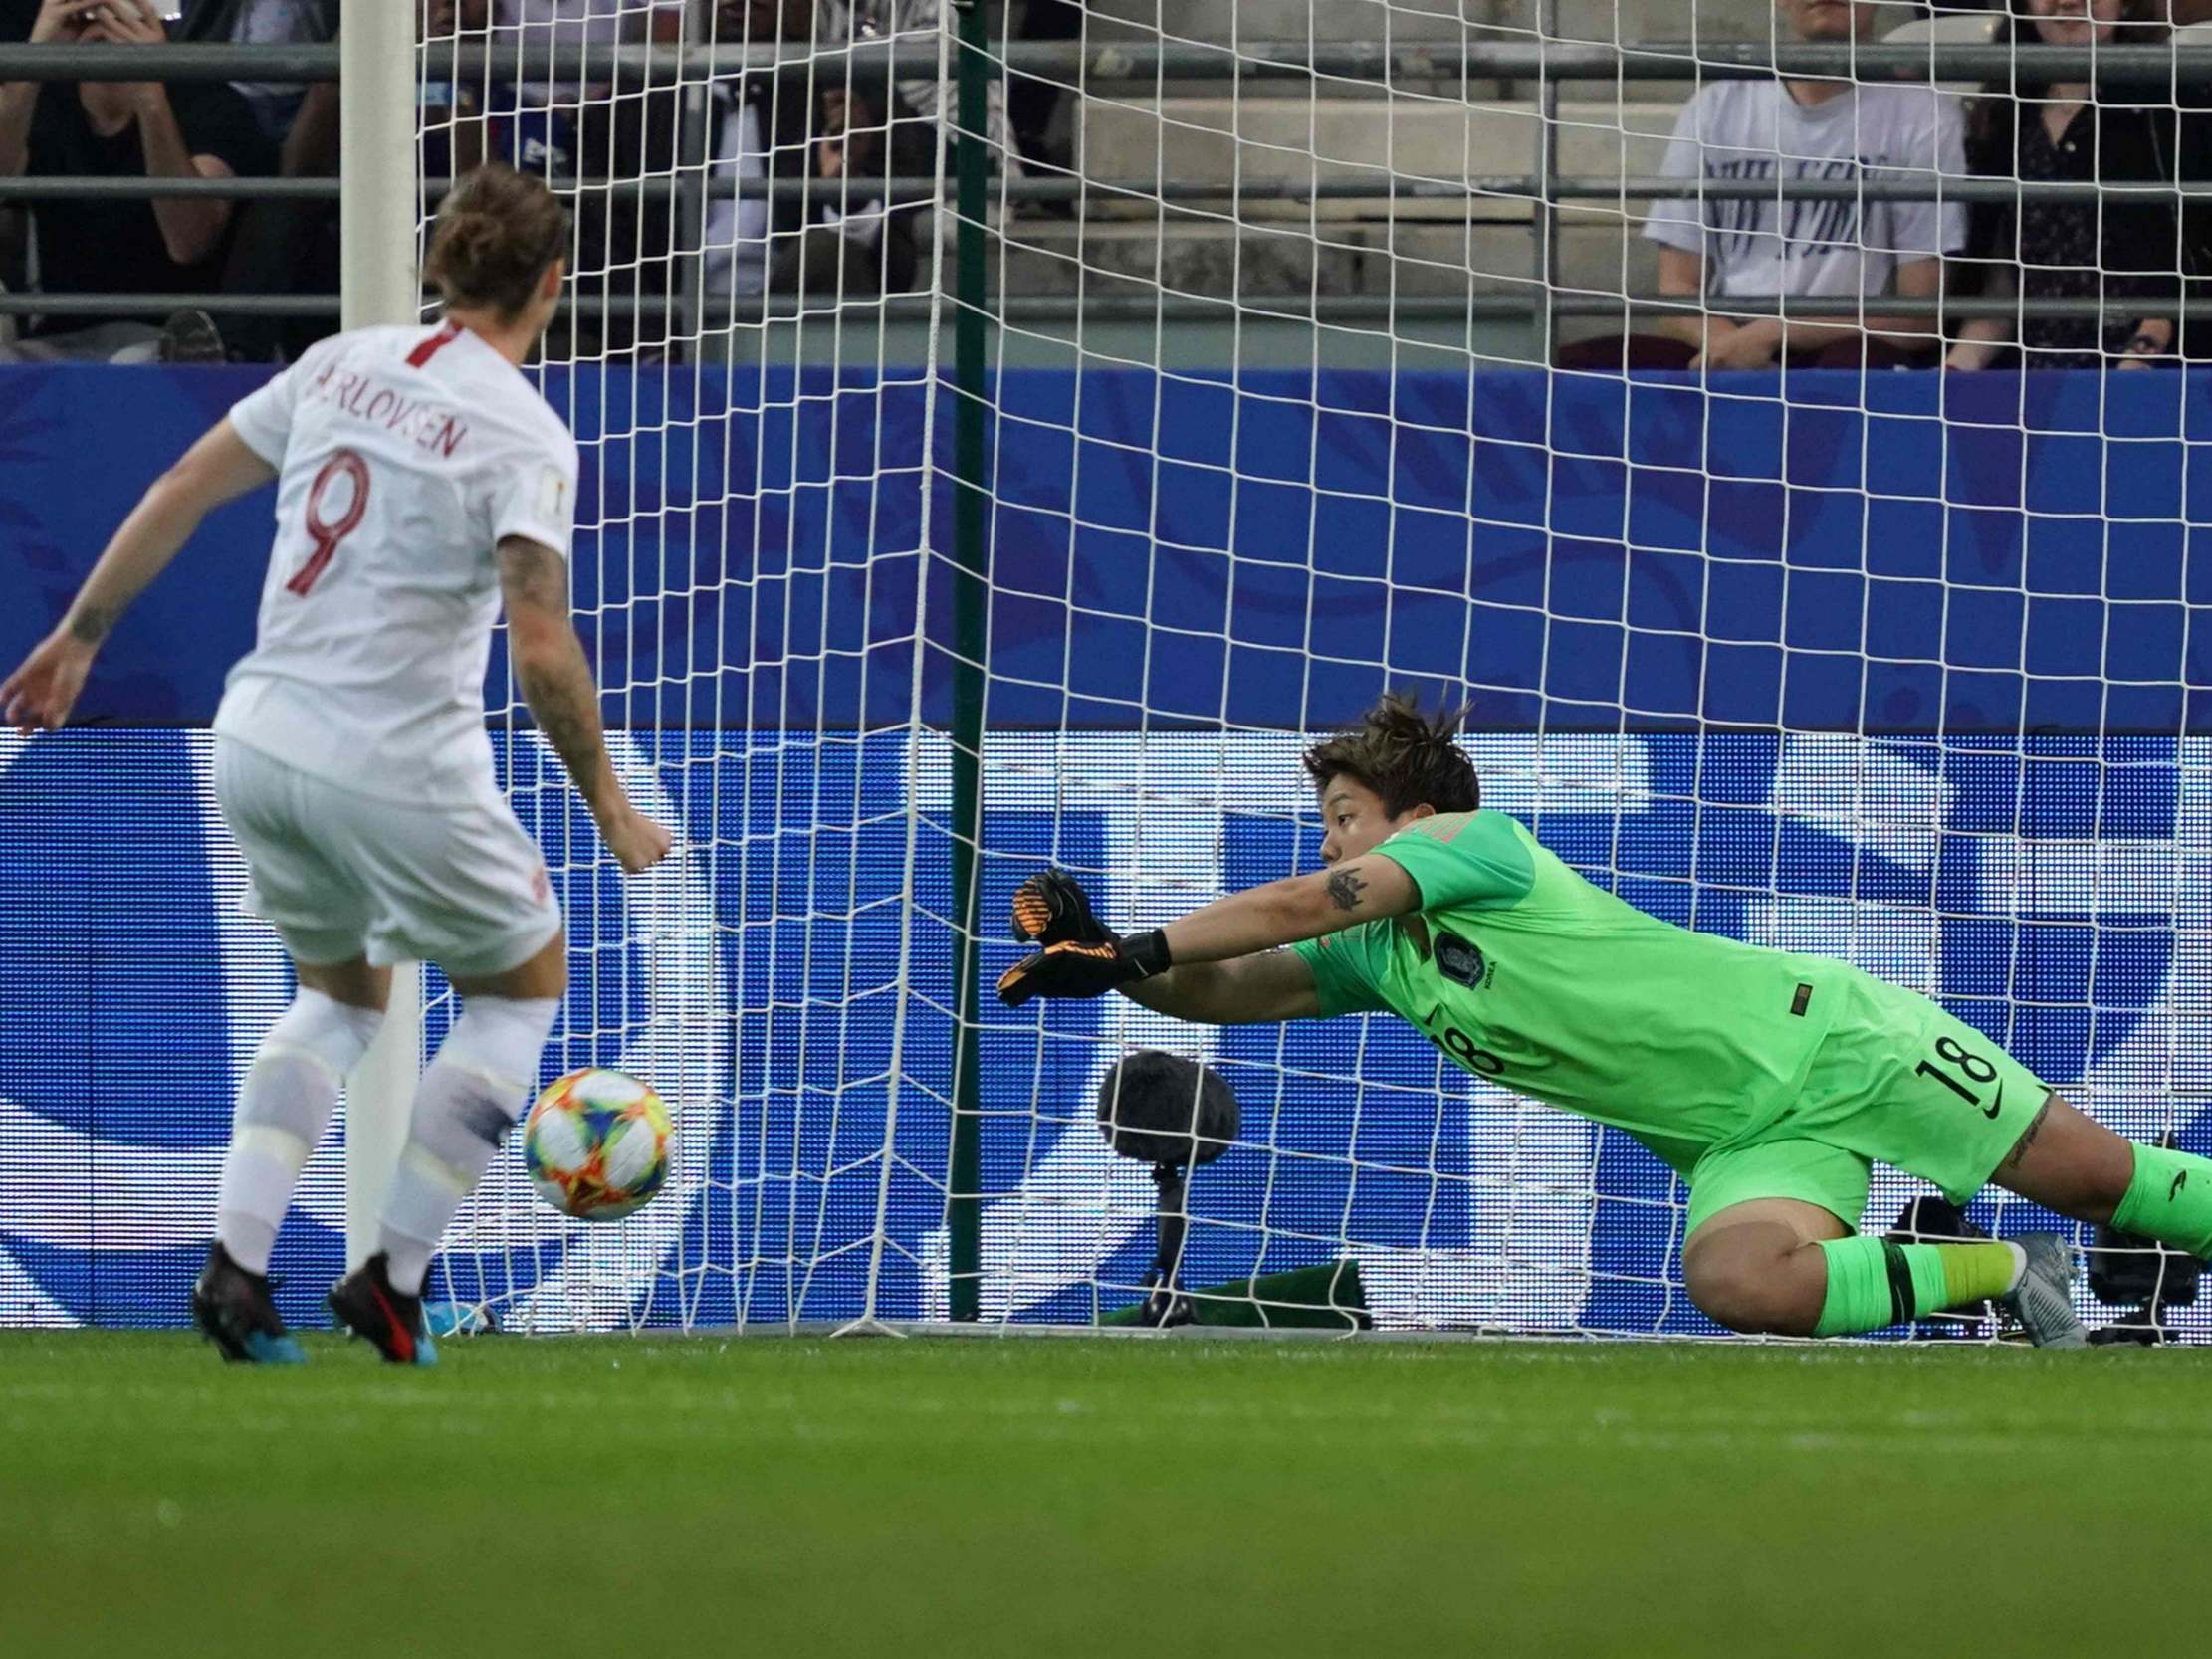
1771	1081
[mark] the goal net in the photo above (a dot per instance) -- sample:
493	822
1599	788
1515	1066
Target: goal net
1223	363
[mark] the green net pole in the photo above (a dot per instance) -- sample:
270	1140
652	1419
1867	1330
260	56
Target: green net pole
971	564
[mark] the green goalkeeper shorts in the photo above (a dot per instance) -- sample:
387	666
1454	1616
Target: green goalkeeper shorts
1898	1081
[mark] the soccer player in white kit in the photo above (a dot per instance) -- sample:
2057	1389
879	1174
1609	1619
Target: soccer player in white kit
422	482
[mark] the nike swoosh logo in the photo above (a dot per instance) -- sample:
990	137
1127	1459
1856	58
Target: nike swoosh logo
1994	1107
405	1339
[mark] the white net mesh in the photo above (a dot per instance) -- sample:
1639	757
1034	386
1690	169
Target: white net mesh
1887	666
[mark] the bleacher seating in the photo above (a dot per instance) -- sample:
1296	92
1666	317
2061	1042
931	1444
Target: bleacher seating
1273	133
1953	28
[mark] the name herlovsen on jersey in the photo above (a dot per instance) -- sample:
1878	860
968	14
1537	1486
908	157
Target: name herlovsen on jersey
428	425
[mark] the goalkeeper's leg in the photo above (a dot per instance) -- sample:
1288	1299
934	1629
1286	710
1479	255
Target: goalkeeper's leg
2069	1163
1789	1265
1771	1249
1789	1268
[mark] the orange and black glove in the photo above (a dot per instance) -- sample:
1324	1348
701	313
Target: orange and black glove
1051	908
1079	967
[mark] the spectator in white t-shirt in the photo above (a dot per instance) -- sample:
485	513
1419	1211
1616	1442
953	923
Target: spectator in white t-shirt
1767	131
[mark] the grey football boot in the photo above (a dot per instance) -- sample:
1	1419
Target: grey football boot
2044	1301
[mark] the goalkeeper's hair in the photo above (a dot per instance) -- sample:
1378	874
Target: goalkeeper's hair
1407	758
497	232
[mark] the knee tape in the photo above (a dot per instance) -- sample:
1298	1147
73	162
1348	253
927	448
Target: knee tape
499	1039
301	1063
475	1089
333	1034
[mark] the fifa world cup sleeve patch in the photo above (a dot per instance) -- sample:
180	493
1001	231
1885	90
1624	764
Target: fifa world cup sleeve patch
552	495
536	503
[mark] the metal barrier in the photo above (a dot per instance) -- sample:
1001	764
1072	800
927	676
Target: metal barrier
2167	68
1136	60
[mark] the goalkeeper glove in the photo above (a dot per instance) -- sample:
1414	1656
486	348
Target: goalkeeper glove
1084	968
1050	908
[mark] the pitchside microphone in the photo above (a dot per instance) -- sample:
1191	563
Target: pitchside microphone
1175	1115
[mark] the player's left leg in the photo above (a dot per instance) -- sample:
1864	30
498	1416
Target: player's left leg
468	1097
464	886
1771	1249
284	1105
1756	1266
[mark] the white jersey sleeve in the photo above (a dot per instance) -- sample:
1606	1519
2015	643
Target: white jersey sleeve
263	417
533	493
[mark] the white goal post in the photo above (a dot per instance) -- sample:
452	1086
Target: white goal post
381	283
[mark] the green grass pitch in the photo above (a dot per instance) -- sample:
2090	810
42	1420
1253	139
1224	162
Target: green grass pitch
756	1496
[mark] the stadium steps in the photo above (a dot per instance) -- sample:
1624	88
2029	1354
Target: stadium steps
1217	259
1359	244
1360	141
1410	21
1276	134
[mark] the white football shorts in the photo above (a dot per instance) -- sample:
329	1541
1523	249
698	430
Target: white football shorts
342	875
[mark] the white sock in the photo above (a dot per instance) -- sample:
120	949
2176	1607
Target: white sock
469	1098
284	1105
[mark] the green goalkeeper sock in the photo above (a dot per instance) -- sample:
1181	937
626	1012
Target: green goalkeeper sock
1873	1282
2170	1199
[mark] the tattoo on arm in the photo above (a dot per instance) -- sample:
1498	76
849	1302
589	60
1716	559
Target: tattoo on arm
568	710
2027	1137
1345	888
532	575
89	624
560	691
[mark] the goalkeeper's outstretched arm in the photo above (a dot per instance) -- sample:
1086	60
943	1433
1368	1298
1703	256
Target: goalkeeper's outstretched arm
1248	990
1222	963
1283	912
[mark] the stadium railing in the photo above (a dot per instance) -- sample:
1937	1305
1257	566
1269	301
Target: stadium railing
1544	190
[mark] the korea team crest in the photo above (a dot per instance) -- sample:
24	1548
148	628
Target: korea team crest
1460	962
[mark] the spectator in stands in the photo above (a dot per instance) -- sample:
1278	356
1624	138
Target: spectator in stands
589	25
1034	102
1772	131
851	125
2127	249
544	23
533	126
114	129
16	18
861	241
282	246
264	23
921	94
457	111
